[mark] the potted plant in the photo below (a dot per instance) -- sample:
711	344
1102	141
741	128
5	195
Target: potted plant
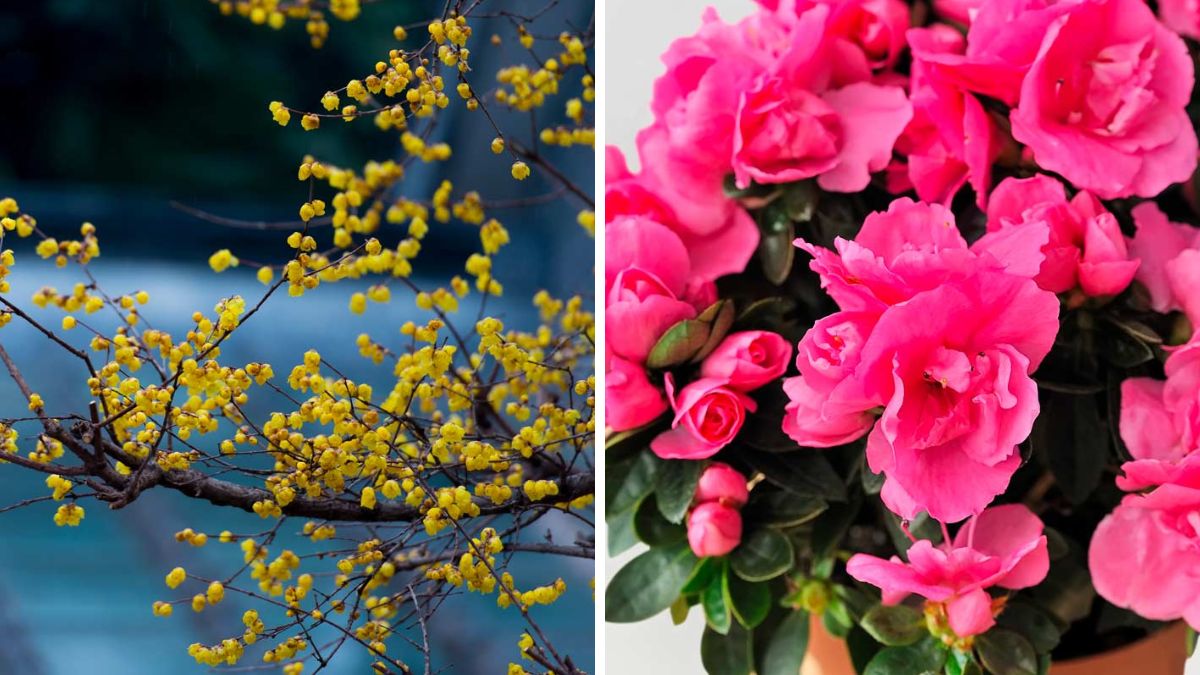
900	367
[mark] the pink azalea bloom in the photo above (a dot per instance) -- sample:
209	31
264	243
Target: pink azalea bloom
1145	554
960	11
818	414
1103	103
721	483
719	235
645	277
952	367
869	34
631	400
1170	254
1086	248
1002	546
1181	16
708	414
914	247
748	360
952	140
1160	421
714	529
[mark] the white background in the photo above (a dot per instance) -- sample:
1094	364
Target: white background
636	33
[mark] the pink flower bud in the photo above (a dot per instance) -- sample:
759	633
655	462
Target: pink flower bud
722	483
714	529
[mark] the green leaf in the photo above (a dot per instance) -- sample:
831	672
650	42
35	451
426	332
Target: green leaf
638	482
719	317
926	656
1033	624
718	609
765	313
1071	437
789	643
731	654
751	601
800	200
1123	349
621	536
772	507
1004	652
677	481
776	252
895	625
679	610
679	344
1067	592
830	527
764	554
624	445
805	472
962	663
703	575
648	584
652	528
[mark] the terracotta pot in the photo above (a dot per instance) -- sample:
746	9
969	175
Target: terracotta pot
1162	653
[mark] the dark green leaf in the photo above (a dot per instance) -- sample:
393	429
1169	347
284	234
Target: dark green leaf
894	625
772	507
731	654
652	528
800	200
785	653
1136	330
648	584
962	663
805	472
830	527
764	554
762	430
1071	437
679	344
872	482
1122	349
1067	592
776	253
751	601
926	656
677	479
862	648
835	620
753	191
703	575
765	313
1191	641
624	445
1004	652
638	482
717	605
1033	624
621	536
719	317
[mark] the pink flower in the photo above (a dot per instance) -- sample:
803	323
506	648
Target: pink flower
1144	555
748	360
630	398
957	10
1181	16
952	367
719	235
786	133
913	247
714	529
1170	254
1086	248
818	414
1103	102
1160	421
708	414
721	483
1002	546
952	140
645	276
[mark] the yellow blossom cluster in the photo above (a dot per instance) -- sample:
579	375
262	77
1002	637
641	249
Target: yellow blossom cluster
375	482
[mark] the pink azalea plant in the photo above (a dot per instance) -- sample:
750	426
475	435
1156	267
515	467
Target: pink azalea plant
900	304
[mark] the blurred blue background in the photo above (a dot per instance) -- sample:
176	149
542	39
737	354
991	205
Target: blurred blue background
111	111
